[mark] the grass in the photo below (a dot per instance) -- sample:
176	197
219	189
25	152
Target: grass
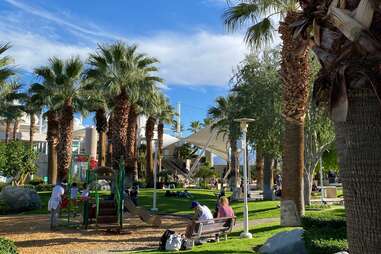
181	206
235	244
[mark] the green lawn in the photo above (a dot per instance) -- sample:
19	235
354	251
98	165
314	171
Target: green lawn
257	209
234	244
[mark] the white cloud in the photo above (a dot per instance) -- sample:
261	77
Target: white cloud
200	58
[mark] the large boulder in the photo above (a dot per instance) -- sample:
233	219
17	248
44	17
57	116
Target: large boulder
289	242
18	199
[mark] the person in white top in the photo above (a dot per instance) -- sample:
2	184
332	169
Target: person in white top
201	212
54	204
73	197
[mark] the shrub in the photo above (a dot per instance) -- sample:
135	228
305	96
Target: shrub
325	232
7	246
2	185
44	187
36	181
3	209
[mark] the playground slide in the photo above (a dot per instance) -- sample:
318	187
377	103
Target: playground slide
142	213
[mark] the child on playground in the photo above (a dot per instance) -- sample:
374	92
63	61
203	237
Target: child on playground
73	197
85	194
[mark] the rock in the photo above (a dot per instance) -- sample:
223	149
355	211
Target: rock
20	199
290	242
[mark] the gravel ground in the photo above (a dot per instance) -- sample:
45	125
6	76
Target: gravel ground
32	235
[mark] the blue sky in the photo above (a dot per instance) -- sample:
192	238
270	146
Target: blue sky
197	55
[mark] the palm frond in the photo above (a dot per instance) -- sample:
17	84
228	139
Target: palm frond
260	33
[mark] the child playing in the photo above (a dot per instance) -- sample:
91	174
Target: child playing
73	197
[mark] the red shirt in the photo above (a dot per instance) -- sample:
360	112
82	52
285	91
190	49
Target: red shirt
225	211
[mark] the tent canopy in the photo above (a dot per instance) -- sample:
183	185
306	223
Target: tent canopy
218	143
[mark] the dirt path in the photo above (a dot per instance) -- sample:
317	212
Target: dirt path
32	235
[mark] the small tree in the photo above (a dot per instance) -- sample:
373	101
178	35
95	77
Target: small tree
17	161
206	172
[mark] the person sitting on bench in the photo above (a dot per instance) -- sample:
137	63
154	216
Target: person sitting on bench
201	212
224	209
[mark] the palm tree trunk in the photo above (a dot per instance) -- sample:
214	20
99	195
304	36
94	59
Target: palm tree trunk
358	145
7	130
119	132
16	126
52	138
101	124
66	141
31	129
150	126
131	156
109	141
294	74
267	177
234	163
259	164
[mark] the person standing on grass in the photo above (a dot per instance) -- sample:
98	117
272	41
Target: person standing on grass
55	202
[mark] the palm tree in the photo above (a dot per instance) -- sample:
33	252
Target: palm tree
5	71
165	117
347	41
65	77
294	72
195	126
43	95
119	69
223	115
32	108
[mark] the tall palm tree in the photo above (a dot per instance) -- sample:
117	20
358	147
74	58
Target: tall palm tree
5	70
119	69
195	126
294	72
65	76
223	115
32	108
44	95
347	41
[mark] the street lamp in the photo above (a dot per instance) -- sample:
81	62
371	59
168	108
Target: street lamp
243	124
156	140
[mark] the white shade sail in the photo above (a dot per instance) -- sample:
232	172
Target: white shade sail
217	145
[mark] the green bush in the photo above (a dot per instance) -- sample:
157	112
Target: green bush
2	185
3	208
7	246
37	180
44	187
325	232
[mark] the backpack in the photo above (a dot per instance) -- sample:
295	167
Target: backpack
163	240
174	242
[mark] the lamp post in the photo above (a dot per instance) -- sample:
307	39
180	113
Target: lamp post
156	140
243	124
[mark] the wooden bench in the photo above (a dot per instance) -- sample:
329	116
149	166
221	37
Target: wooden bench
215	227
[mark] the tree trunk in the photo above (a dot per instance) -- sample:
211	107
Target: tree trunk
7	130
65	145
109	141
31	129
259	164
294	73
119	130
101	124
52	138
307	188
292	185
131	156
150	126
358	146
267	178
234	173
16	126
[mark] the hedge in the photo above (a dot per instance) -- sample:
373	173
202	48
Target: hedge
7	246
325	233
